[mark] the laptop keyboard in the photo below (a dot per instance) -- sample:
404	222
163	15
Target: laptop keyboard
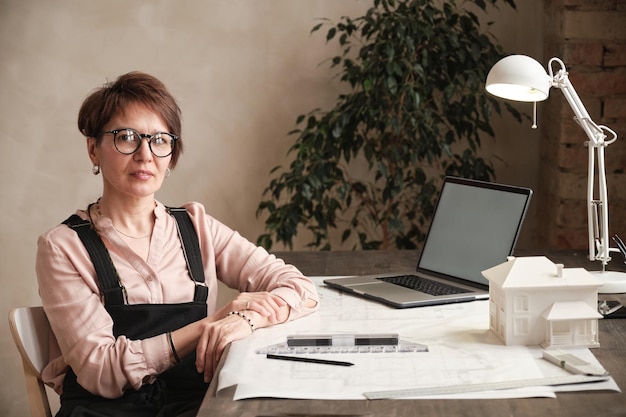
425	285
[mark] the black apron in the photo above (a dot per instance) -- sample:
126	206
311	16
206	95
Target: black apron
176	392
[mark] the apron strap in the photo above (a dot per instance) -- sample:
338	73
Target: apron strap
110	283
191	249
108	278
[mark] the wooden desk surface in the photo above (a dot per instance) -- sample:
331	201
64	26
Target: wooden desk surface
612	355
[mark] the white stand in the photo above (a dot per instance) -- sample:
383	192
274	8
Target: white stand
614	281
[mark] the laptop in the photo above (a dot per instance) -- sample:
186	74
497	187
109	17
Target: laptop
475	227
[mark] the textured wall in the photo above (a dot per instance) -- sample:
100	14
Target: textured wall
590	37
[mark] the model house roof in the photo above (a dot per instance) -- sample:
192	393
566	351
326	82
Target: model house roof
571	310
538	272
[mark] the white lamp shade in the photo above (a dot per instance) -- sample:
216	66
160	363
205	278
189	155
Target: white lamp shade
518	78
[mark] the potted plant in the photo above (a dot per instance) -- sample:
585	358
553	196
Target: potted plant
415	111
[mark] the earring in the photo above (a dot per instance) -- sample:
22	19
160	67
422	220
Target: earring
95	169
168	172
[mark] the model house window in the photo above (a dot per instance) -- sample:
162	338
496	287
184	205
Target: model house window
521	303
521	326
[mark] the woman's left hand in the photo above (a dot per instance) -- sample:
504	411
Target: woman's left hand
269	306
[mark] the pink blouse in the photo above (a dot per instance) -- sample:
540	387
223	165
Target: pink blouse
69	292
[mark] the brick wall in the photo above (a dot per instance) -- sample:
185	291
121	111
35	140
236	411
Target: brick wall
590	38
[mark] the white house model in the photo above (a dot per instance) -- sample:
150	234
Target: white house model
532	301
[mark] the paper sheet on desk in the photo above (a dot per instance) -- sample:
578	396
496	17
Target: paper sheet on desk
461	351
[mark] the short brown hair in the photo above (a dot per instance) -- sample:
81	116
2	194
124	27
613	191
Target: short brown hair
129	89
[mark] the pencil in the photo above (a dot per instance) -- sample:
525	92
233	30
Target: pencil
309	360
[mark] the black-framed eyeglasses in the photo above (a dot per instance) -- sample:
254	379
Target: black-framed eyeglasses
128	140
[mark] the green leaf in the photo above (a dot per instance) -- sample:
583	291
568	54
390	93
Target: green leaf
331	34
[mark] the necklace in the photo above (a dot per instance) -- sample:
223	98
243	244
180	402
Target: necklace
99	213
132	237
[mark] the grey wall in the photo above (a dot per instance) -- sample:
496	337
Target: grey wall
242	71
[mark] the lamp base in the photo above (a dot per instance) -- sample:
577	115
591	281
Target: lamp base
614	281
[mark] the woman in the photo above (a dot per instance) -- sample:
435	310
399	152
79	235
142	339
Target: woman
130	286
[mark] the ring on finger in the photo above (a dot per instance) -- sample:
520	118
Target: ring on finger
247	305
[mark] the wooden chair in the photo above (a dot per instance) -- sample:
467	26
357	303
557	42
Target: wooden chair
36	342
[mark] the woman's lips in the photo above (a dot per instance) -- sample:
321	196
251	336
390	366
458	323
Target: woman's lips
143	175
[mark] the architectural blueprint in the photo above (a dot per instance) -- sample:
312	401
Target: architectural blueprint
461	350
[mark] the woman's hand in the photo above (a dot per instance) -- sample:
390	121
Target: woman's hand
267	305
221	328
214	338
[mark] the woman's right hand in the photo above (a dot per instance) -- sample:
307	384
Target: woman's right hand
221	328
215	336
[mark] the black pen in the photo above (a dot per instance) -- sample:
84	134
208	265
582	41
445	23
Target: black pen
309	360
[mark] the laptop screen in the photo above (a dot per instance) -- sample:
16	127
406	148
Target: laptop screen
475	227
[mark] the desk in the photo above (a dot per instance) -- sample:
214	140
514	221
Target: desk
612	355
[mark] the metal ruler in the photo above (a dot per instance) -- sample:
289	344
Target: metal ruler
402	346
486	386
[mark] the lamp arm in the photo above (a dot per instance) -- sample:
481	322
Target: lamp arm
561	81
597	209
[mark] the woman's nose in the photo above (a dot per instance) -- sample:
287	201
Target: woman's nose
144	152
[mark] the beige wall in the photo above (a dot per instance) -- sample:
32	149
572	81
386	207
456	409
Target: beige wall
242	71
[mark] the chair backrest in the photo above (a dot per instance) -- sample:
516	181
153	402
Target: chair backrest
35	341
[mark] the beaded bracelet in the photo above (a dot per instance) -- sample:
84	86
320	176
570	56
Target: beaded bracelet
243	316
176	357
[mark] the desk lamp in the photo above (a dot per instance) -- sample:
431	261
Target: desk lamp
521	78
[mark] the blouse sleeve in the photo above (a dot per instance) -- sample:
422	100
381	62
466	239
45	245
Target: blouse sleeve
105	366
242	265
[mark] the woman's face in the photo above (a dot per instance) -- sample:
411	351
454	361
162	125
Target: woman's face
139	174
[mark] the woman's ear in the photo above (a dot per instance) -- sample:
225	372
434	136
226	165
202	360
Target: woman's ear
91	150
